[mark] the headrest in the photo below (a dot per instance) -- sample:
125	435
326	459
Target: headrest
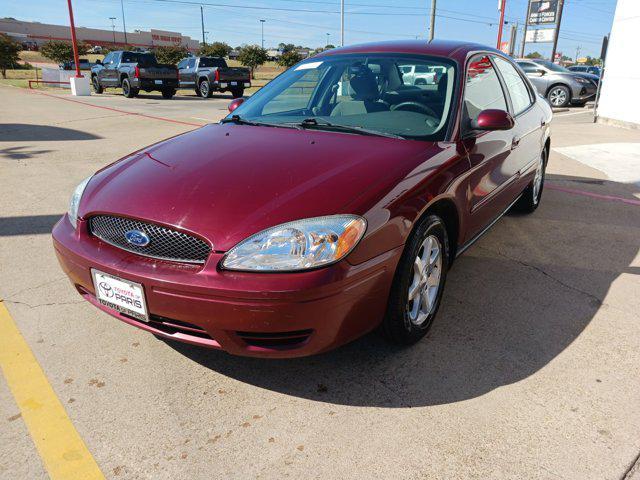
363	83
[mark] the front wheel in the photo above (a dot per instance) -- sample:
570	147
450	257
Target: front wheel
237	92
168	93
530	198
127	90
559	96
418	283
97	88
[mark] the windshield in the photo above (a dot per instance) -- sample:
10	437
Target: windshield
397	95
553	66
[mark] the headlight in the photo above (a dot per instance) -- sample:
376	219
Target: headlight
582	80
298	245
75	201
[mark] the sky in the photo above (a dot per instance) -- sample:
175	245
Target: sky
307	22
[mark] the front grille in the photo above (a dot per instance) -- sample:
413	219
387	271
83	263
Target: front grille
164	243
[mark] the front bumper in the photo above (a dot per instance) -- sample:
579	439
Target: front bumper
582	92
251	314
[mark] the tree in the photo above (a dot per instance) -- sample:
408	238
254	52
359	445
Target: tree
252	56
62	51
8	54
215	49
171	54
533	55
286	47
329	47
289	59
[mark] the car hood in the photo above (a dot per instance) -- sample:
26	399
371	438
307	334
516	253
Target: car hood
227	182
588	76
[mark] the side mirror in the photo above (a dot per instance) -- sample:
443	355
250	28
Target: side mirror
98	62
541	72
235	104
492	119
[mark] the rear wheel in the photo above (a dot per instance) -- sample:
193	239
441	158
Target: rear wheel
168	93
127	90
237	92
97	88
418	283
532	195
559	96
205	89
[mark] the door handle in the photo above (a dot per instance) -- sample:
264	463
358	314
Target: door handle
515	142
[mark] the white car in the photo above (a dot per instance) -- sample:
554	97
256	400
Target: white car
417	75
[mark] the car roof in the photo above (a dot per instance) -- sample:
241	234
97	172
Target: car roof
440	48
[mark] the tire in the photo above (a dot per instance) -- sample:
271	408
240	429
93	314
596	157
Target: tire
205	89
197	90
97	88
559	96
405	321
531	196
127	90
168	93
579	104
237	92
420	81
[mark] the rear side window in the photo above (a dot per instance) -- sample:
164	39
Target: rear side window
483	89
212	62
518	91
528	67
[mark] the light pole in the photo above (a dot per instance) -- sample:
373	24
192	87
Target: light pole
204	40
327	44
432	22
342	23
262	29
113	29
124	25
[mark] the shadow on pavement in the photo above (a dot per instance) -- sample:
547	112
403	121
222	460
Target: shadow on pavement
28	225
21	153
512	304
24	132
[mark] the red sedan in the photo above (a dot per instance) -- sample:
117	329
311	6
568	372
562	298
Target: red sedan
331	202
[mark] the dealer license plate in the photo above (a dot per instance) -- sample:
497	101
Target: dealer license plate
234	83
158	82
121	295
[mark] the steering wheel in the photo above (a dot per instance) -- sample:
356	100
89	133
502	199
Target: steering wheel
421	107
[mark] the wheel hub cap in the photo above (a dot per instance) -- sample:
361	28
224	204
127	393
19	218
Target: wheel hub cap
427	271
558	97
537	180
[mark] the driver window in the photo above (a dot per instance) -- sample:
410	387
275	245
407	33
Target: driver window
483	89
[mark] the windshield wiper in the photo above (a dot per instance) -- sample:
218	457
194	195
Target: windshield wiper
312	123
241	121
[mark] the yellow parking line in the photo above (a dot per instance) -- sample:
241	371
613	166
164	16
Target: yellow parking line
63	452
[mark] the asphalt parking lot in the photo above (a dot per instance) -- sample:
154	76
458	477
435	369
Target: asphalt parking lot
532	369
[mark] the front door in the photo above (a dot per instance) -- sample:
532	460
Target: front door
492	161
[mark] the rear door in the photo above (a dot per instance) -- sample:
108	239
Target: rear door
537	75
105	74
493	166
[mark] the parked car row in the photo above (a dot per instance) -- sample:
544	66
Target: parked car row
559	85
140	71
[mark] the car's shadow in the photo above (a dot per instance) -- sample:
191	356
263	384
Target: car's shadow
513	303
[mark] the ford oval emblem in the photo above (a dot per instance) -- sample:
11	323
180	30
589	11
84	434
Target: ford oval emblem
137	238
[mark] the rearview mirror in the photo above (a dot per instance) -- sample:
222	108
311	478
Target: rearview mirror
235	104
493	119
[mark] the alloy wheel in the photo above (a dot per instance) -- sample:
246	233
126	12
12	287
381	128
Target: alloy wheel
427	271
537	180
204	89
558	97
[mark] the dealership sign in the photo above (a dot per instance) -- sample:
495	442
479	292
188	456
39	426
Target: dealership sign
540	36
543	12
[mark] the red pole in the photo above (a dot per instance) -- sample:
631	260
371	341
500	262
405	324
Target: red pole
502	8
74	42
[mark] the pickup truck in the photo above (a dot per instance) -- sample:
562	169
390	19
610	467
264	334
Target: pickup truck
211	74
134	71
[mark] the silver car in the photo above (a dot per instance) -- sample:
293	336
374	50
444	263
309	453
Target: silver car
558	85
